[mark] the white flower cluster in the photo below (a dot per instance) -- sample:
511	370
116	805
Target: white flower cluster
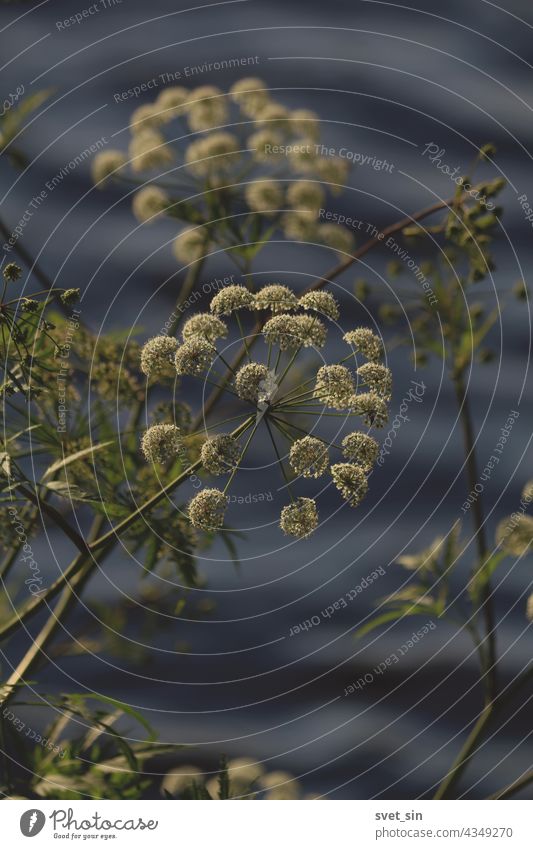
291	324
278	171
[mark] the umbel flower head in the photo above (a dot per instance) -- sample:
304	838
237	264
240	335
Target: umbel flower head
333	170
264	196
360	448
148	151
263	142
250	380
300	225
300	518
366	342
206	325
378	378
106	164
230	299
311	331
333	236
206	510
294	331
304	194
321	302
275	298
334	386
515	534
157	355
194	356
251	94
12	272
149	203
146	117
273	115
161	443
305	122
191	244
309	457
212	155
351	482
171	101
282	330
220	454
206	108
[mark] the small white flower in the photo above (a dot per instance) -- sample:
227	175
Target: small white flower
148	151
206	325
220	454
250	381
300	518
206	108
191	244
251	94
206	510
360	448
321	302
157	355
106	164
276	298
194	356
351	482
231	298
335	236
161	443
309	457
149	202
304	194
264	196
366	342
334	386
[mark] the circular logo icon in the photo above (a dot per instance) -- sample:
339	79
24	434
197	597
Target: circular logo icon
32	822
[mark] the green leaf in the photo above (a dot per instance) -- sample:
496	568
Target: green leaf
72	458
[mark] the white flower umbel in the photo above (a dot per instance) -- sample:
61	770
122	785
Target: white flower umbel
161	443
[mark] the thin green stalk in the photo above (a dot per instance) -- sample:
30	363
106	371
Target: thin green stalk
302	430
97	545
56	517
216	424
191	278
465	754
515	787
241	457
155	499
280	462
63	606
486	609
228	366
243	337
474	738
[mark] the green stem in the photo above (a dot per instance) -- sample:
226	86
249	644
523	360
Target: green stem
280	462
191	278
243	337
97	545
465	754
474	738
486	608
241	457
515	787
62	608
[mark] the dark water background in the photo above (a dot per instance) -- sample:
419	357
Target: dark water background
386	81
